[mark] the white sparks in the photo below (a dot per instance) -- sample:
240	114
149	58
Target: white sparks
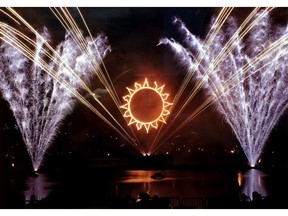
40	103
248	83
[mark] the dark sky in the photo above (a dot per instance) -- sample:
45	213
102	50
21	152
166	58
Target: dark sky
133	34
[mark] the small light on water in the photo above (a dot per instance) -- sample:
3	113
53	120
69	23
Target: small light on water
239	179
12	164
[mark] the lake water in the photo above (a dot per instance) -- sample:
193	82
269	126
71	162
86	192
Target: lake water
96	188
177	183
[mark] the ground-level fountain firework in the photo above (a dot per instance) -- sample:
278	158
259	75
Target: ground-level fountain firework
38	101
245	77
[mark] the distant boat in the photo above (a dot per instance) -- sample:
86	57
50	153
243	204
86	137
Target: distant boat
157	176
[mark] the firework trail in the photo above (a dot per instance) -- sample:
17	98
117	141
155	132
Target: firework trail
248	84
40	103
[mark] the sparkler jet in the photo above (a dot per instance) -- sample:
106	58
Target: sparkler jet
244	78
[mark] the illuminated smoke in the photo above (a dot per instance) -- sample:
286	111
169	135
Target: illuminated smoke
254	101
40	103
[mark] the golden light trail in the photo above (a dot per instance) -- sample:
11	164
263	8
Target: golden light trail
235	38
70	25
221	18
268	51
114	95
2	11
29	54
220	57
147	121
57	60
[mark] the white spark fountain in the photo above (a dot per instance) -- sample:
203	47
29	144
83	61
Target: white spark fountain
249	88
40	103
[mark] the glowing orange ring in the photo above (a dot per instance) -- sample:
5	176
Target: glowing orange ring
127	106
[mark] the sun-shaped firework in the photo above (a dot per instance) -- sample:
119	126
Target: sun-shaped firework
146	105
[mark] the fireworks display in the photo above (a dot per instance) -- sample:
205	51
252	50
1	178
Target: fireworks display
191	99
241	67
38	101
245	77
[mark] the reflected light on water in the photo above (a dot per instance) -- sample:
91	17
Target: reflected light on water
239	179
143	177
176	183
139	176
252	180
39	186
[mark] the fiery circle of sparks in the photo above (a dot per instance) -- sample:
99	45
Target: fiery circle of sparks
128	98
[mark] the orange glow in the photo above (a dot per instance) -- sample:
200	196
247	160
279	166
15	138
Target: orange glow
239	179
146	105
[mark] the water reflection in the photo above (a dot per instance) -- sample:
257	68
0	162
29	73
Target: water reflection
134	176
39	186
252	180
176	183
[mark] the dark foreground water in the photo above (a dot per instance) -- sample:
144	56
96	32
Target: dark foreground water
111	188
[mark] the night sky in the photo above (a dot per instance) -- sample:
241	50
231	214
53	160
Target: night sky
133	34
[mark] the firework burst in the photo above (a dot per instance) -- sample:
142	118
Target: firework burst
245	78
38	101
